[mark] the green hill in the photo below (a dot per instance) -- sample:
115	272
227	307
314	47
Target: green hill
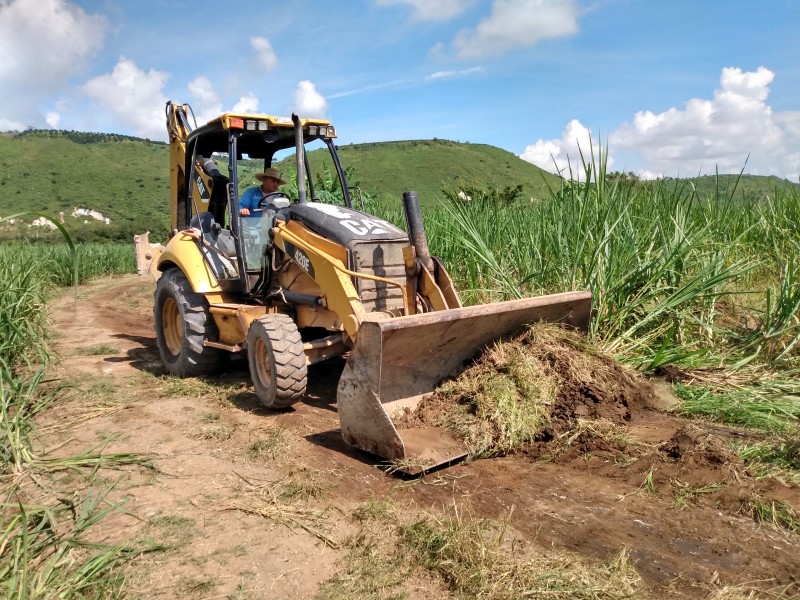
387	169
746	186
126	178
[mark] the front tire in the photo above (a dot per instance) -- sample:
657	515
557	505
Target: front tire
277	360
183	322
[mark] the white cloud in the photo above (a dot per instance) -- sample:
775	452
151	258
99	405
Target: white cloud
265	55
53	119
789	121
134	98
396	83
43	43
206	103
718	133
517	24
308	102
11	125
448	74
563	156
431	10
203	91
247	103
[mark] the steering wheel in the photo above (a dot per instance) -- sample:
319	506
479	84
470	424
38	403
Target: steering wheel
267	198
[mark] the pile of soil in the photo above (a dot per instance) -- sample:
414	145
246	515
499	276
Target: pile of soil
547	374
694	448
547	394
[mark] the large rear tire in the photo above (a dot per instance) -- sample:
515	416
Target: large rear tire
183	322
277	360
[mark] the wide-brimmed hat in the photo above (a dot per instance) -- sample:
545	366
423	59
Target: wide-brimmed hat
274	173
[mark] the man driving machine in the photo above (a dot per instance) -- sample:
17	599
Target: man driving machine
270	181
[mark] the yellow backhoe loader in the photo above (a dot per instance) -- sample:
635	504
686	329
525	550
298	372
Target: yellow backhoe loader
299	281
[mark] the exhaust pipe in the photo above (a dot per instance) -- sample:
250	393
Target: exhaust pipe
302	196
416	229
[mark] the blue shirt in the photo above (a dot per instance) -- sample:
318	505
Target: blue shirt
251	198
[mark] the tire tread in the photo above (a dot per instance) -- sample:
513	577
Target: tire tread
290	374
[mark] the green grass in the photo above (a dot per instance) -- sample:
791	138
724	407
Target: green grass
38	563
686	494
777	456
648	485
189	386
676	279
23	321
369	572
375	509
46	533
269	447
502	402
52	263
775	512
773	413
99	350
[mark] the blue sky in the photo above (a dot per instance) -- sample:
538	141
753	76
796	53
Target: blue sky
672	88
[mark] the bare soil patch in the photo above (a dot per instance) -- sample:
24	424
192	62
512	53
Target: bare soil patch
260	504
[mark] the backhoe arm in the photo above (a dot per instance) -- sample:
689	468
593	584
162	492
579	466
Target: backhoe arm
178	129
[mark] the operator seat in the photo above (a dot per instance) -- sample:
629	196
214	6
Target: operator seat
221	241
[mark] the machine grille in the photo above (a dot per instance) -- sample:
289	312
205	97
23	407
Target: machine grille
382	259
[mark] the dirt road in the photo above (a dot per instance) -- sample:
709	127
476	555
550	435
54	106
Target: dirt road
258	504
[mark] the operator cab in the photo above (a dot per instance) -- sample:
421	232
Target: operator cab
248	144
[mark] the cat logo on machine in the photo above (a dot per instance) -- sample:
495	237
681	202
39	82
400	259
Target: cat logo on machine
353	222
300	257
201	189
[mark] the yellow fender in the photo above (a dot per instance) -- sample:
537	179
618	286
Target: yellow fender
182	252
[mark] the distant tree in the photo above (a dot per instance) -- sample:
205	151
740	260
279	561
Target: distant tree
83	137
620	176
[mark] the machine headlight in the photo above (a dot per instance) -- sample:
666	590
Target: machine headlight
312	130
250	125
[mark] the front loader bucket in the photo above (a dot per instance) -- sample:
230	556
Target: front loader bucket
397	361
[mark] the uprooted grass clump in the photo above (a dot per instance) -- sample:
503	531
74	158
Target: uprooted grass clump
777	456
462	555
533	387
474	559
286	502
